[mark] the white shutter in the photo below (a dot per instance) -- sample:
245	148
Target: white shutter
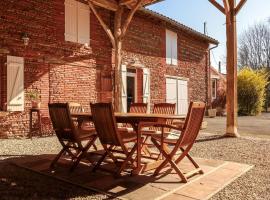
124	87
71	20
174	48
146	87
15	83
168	47
182	97
83	23
171	88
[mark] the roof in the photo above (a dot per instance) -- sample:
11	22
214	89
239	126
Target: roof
216	74
179	25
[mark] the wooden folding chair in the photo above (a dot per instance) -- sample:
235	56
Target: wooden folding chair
138	108
159	108
71	138
183	141
112	138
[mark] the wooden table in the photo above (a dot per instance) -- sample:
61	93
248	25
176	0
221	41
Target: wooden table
134	119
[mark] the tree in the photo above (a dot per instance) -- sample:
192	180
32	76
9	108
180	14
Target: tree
251	91
254	48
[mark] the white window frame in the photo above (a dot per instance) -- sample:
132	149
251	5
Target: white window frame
79	36
215	89
171	48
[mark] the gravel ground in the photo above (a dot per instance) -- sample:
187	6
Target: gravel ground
17	183
255	184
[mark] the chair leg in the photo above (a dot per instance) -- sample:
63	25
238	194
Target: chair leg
100	161
163	164
192	161
129	156
52	165
82	153
178	171
168	159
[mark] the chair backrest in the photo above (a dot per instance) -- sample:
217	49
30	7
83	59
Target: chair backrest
75	107
164	108
105	123
62	121
192	123
138	108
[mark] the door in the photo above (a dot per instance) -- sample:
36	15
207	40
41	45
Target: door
176	92
131	90
182	98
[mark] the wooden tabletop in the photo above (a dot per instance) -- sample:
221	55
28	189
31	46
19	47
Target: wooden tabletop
134	115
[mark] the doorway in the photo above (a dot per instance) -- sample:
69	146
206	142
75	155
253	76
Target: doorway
131	88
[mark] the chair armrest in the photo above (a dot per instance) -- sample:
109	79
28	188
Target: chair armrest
158	124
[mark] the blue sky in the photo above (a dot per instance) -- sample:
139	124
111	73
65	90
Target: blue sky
194	13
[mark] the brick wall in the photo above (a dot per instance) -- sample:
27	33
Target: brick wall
64	71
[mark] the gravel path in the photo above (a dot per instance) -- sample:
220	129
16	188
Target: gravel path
17	183
255	184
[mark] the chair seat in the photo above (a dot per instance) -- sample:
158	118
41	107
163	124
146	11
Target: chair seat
127	135
85	134
169	137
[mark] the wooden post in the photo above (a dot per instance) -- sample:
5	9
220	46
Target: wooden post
118	59
231	92
116	39
230	10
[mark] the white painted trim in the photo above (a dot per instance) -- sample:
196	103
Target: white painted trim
177	77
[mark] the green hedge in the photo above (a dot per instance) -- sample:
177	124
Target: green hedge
251	91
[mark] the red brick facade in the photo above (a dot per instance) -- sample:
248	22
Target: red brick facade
219	102
68	72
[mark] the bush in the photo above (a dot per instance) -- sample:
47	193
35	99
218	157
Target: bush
251	91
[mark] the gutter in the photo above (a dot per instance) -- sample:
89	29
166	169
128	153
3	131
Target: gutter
209	75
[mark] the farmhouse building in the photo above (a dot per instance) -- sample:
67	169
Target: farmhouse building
58	50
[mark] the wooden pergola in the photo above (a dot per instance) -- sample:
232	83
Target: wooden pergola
228	7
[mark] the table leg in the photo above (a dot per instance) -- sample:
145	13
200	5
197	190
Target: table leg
138	169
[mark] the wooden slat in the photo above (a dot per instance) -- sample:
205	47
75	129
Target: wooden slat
217	5
239	6
107	4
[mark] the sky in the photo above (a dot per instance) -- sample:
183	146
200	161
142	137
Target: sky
194	13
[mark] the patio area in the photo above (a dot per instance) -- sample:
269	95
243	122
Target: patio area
18	181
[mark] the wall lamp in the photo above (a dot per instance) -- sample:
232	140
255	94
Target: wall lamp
25	39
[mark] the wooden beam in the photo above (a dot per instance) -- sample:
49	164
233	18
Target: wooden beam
239	6
107	4
125	2
218	6
102	23
226	6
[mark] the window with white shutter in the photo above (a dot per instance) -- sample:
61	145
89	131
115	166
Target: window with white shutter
77	22
171	47
124	87
146	87
15	83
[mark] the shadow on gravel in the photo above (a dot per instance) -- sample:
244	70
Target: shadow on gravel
211	138
20	183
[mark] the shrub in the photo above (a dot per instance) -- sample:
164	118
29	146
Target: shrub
251	91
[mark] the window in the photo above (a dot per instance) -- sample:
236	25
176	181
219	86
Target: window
171	47
77	22
214	88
